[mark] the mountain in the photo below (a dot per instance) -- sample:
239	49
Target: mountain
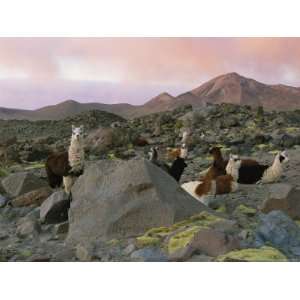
228	88
70	107
65	109
234	88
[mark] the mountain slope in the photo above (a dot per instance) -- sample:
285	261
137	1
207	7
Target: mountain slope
234	88
228	88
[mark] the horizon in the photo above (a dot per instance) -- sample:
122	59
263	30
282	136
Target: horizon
38	72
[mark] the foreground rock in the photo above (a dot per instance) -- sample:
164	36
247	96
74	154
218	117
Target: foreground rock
278	229
283	197
263	254
21	183
55	208
36	197
115	199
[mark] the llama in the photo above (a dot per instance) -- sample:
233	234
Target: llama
263	173
66	166
223	184
219	166
177	166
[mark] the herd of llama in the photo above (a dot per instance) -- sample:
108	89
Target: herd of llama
222	177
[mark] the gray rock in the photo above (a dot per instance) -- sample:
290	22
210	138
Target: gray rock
283	197
61	228
279	230
149	254
84	253
21	183
115	199
129	249
28	227
3	201
55	208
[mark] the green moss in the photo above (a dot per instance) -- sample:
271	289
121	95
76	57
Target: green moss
3	172
144	241
292	129
221	209
35	166
186	230
264	254
262	146
245	210
25	253
182	239
113	242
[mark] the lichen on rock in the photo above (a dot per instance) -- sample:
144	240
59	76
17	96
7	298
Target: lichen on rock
263	254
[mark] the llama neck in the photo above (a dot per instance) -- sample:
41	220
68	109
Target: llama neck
273	172
76	154
233	171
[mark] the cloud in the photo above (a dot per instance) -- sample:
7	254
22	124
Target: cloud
177	62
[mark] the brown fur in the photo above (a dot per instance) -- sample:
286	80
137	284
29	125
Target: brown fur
223	184
219	164
204	187
140	142
57	166
173	153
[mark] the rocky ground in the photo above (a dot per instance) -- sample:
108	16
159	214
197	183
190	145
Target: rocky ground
139	213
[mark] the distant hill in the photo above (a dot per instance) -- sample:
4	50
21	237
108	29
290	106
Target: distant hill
228	88
234	88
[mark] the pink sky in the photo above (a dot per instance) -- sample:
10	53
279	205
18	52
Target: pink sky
40	71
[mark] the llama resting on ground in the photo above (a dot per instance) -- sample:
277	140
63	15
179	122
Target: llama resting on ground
263	173
223	184
66	166
177	166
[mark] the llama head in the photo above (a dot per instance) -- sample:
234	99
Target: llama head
77	132
215	151
234	163
282	157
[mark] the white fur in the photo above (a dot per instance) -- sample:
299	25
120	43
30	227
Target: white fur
183	151
76	156
274	172
232	169
233	166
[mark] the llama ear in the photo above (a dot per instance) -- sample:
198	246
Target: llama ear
73	127
82	127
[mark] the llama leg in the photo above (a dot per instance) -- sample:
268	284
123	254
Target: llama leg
68	183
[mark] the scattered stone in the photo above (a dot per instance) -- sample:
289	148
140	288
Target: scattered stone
116	199
28	228
263	254
283	197
84	253
61	228
21	183
36	197
279	230
149	254
129	249
55	208
3	201
205	240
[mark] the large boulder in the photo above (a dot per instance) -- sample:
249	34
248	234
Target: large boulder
279	230
55	208
21	183
115	199
283	197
